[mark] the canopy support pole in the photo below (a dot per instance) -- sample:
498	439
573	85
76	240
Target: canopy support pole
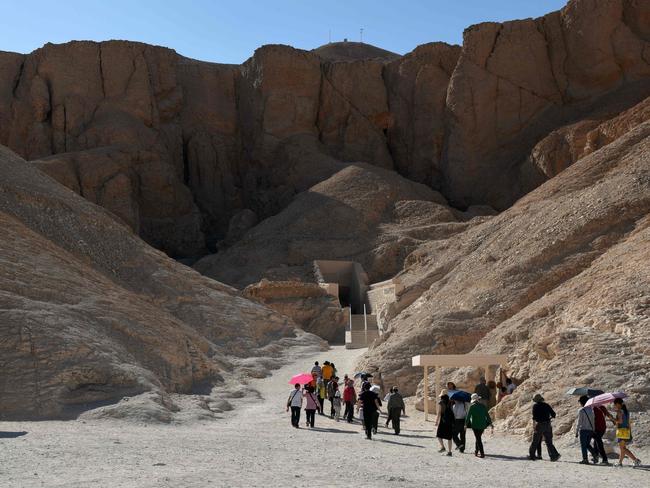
426	393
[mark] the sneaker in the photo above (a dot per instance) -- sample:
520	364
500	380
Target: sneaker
481	456
556	457
618	464
442	449
531	458
637	462
584	461
604	462
449	453
594	460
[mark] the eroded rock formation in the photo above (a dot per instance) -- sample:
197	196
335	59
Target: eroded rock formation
177	147
556	280
91	313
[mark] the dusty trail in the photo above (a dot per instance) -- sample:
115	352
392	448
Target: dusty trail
256	446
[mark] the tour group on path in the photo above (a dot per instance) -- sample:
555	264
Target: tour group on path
458	411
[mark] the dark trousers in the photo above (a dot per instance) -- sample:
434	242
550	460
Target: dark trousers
311	415
375	421
585	443
349	411
295	416
322	402
332	407
479	442
543	430
598	440
394	416
369	419
459	433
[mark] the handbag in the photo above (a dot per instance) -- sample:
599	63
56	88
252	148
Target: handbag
623	433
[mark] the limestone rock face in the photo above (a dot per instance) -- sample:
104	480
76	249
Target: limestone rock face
90	313
515	81
417	91
362	213
558	279
177	147
307	304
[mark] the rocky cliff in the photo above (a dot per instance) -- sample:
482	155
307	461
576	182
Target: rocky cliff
91	313
176	148
558	282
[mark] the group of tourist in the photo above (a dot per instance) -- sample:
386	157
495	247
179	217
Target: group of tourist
325	384
455	414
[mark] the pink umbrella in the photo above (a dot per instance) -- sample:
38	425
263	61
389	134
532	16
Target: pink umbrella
301	379
604	398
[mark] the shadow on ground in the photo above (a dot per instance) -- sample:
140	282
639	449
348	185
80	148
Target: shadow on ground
12	435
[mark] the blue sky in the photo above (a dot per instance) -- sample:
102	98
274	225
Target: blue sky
229	31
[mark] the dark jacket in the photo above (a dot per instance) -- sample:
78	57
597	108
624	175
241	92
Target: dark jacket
395	400
542	412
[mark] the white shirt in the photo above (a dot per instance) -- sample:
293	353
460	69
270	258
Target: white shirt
510	388
295	398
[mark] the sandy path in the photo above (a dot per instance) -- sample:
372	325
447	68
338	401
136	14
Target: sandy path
256	446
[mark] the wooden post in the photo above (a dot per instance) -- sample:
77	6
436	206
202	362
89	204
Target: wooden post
426	393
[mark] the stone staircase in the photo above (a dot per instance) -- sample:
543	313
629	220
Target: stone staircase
361	331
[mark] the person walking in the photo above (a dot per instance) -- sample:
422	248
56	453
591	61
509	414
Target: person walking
369	403
478	419
460	411
585	430
321	392
395	407
311	405
337	404
542	429
327	371
483	391
601	414
623	433
294	402
350	398
445	422
316	370
332	386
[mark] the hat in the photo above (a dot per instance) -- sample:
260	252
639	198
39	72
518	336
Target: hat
538	398
475	397
443	392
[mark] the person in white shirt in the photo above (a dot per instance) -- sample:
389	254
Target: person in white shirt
510	386
460	411
294	402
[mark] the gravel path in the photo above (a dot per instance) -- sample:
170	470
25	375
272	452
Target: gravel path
255	446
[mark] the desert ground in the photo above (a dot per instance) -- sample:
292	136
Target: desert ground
254	445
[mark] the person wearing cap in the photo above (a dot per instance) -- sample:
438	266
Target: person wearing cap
483	391
445	422
542	429
478	419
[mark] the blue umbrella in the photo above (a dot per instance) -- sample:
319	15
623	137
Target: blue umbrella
590	392
362	373
460	396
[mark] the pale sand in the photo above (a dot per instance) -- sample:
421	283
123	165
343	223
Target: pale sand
256	446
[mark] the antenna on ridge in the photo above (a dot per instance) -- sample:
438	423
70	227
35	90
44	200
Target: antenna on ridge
361	35
330	37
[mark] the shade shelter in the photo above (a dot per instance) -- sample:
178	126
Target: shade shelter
438	361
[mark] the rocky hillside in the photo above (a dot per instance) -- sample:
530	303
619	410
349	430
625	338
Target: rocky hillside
560	283
177	148
91	313
361	213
